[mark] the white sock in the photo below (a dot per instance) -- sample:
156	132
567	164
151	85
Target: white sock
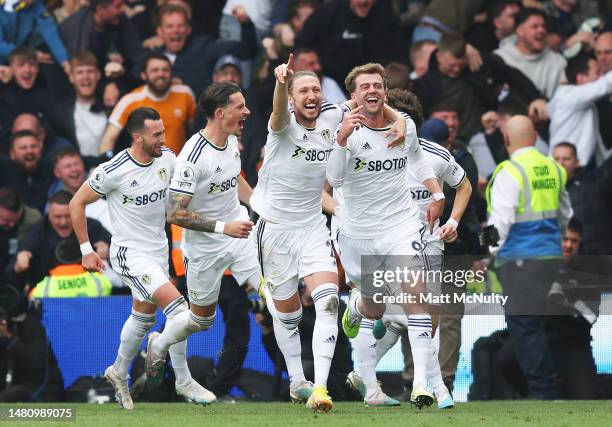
387	342
365	346
288	340
325	333
434	375
133	332
419	334
178	356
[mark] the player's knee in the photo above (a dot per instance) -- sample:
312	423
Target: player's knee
141	323
177	306
290	320
326	300
200	323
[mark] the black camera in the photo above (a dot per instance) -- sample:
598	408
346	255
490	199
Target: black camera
489	236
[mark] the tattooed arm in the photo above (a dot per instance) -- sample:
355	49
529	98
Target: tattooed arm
179	214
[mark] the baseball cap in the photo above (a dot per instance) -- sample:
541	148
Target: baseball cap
227	60
435	130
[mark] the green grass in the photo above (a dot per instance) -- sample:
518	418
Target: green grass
506	413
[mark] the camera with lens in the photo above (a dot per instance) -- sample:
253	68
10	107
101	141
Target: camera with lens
489	236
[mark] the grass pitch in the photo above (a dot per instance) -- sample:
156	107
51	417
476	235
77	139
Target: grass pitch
503	413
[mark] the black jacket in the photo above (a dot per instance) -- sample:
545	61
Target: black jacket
343	40
42	240
79	34
194	64
486	82
591	196
33	188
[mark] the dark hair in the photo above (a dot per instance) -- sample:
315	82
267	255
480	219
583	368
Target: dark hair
453	43
569	145
511	106
217	95
95	3
23	134
65	152
398	76
445	106
154	55
24	52
574	224
303	49
407	102
136	120
10	199
579	64
61	197
495	8
527	13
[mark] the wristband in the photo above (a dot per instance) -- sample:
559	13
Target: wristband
219	227
438	196
86	248
452	222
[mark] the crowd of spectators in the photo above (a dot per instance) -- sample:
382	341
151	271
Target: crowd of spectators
71	71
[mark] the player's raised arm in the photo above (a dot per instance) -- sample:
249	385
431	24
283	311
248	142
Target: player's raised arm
340	155
279	119
179	214
91	261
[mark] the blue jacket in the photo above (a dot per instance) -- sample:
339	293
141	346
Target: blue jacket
17	27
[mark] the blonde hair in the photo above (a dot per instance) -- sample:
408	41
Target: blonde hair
370	68
297	75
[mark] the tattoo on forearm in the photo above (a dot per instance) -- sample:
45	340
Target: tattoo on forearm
179	214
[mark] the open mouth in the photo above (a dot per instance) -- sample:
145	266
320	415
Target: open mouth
241	123
372	100
311	106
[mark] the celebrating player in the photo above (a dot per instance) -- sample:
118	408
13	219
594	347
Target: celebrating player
379	218
135	184
205	195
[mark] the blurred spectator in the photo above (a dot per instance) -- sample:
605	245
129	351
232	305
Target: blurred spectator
603	51
570	242
292	12
488	147
16	218
285	31
398	76
51	144
24	171
572	110
28	92
527	51
51	242
590	192
448	78
406	101
444	17
420	52
486	36
449	114
193	57
346	33
103	29
306	59
67	9
227	69
257	11
28	367
82	118
28	23
175	103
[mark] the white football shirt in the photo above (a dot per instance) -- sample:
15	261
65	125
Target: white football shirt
291	178
374	182
446	170
209	175
136	197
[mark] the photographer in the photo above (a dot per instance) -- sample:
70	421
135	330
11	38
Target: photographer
528	204
28	367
